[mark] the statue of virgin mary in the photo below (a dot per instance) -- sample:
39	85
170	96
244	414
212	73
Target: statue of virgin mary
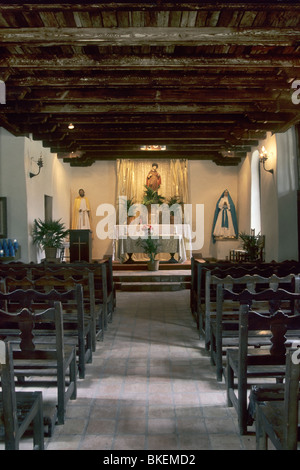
225	221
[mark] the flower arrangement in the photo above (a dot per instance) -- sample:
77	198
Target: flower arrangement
149	244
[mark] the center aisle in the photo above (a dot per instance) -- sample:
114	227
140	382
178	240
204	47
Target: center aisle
150	386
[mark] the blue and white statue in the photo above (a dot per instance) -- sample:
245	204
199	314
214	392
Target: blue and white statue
225	221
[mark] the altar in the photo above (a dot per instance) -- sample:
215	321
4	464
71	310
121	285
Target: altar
173	239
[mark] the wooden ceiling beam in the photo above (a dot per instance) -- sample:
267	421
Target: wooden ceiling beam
152	108
56	147
151	62
257	118
192	5
147	135
80	131
190	155
146	95
209	144
170	148
201	79
154	36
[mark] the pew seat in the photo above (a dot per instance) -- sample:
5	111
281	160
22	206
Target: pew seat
245	364
47	364
277	413
224	327
19	411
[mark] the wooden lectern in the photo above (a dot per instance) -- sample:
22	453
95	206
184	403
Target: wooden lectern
80	245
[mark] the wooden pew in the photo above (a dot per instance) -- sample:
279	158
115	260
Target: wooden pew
11	283
39	359
85	277
19	410
223	268
14	272
77	325
42	268
278	420
235	275
78	320
247	362
223	322
105	293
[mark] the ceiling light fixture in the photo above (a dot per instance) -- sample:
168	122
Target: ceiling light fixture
71	126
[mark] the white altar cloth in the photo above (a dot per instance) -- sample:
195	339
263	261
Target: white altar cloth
172	239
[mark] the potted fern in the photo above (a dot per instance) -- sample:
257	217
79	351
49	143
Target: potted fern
152	197
252	244
130	202
49	235
150	246
175	201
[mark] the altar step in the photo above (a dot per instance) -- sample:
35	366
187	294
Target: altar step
141	281
152	286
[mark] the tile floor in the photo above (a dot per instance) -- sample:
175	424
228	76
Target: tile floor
150	386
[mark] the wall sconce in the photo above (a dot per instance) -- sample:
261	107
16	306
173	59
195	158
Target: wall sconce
263	157
40	165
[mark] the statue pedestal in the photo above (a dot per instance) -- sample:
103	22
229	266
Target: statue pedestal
221	249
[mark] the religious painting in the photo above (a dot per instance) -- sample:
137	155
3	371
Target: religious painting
225	221
3	217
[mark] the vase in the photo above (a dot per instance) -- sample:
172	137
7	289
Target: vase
50	253
153	265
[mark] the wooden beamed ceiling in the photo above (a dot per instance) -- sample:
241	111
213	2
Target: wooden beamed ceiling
206	79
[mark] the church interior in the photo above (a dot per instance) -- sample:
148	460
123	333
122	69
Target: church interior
197	103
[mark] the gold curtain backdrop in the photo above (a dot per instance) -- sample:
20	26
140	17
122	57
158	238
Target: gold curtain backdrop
131	181
132	175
